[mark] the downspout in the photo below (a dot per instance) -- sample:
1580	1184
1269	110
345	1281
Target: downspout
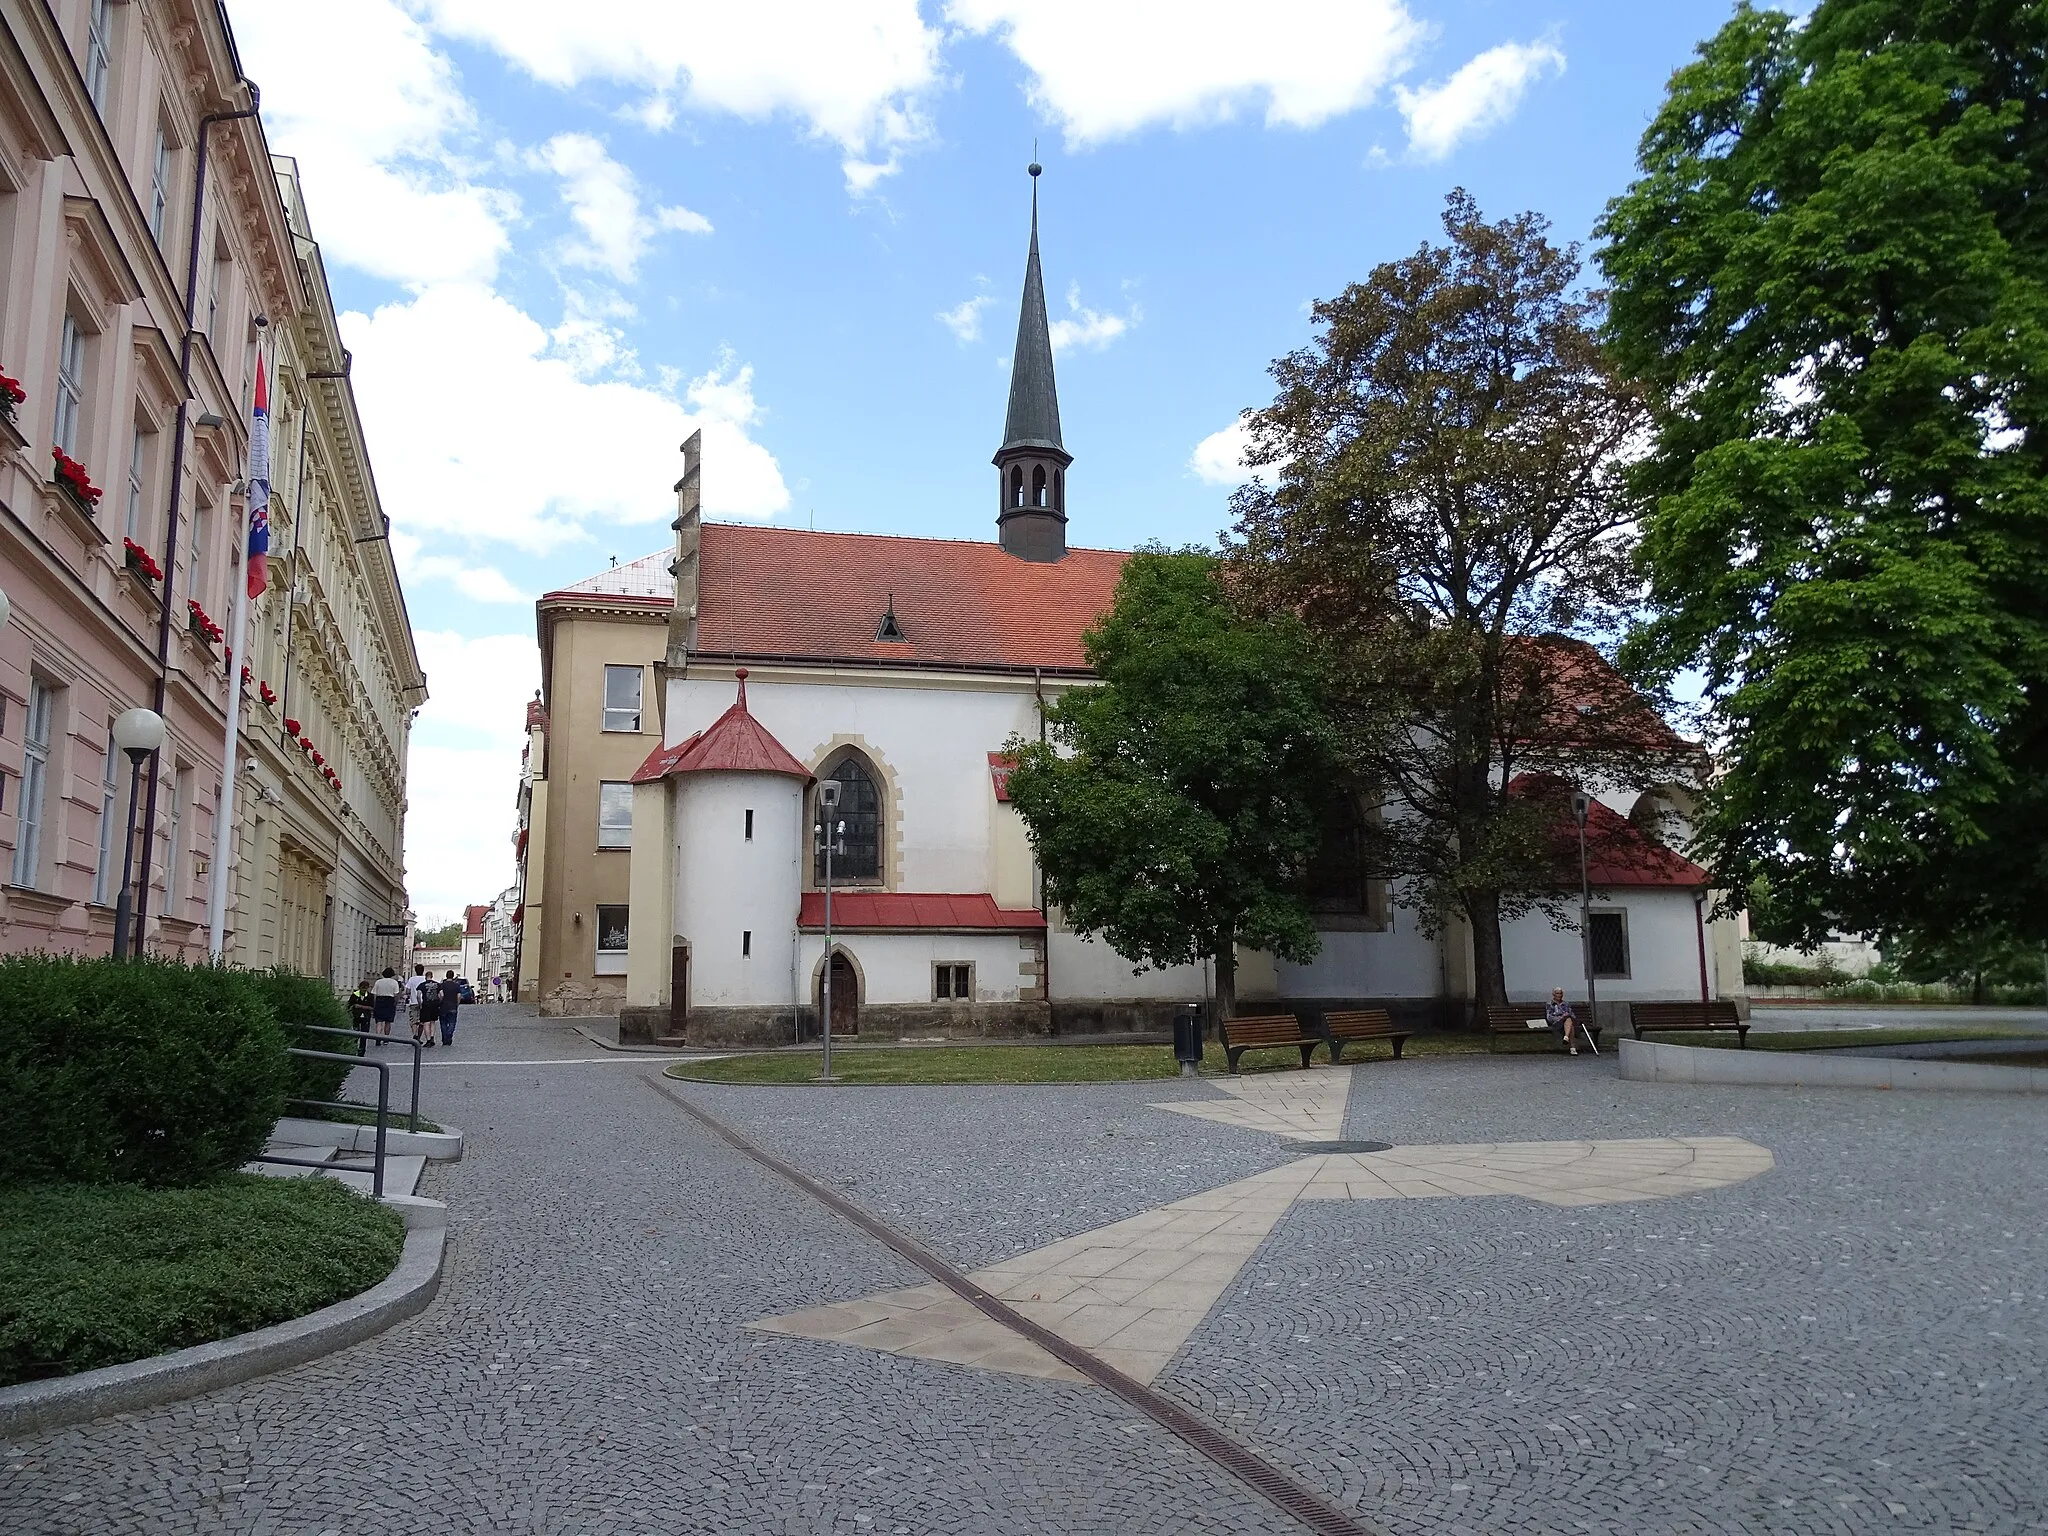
1699	917
163	625
1044	916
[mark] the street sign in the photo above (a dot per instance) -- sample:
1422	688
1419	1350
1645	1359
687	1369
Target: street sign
389	930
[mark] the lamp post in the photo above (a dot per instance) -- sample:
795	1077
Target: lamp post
139	733
1582	803
828	842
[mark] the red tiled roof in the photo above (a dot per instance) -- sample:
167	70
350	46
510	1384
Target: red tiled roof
473	920
733	743
788	592
883	911
1617	853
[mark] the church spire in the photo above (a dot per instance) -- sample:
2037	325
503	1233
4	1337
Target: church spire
1031	465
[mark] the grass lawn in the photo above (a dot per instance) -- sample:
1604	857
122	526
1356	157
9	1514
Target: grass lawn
94	1275
1024	1063
1837	1039
363	1114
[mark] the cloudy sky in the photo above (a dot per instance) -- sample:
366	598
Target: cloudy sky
565	236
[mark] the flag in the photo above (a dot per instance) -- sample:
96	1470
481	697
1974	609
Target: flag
259	486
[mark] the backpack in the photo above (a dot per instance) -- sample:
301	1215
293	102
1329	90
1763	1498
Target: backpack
430	996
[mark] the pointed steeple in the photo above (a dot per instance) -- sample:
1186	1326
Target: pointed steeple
1031	465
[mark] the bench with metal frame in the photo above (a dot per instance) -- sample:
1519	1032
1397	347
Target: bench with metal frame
1241	1035
1512	1023
1342	1028
1672	1018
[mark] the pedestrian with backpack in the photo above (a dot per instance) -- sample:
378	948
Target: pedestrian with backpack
429	1010
451	1001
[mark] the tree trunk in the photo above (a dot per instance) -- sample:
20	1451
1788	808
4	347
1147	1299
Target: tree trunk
1225	960
1977	986
1489	970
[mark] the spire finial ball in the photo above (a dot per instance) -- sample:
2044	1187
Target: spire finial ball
1034	168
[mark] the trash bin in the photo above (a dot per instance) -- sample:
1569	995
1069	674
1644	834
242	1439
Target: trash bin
1187	1039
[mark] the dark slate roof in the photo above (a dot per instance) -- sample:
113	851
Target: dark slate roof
1034	419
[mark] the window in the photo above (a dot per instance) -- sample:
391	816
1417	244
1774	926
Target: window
138	458
173	825
1038	485
614	815
220	266
35	769
160	185
953	982
70	385
1336	875
103	862
611	941
750	826
746	942
1610	944
622	698
860	814
99	62
195	567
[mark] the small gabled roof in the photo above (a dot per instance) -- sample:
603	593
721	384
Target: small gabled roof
733	743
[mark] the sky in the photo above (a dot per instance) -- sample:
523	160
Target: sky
563	237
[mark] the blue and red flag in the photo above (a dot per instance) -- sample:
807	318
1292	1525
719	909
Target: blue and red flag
259	486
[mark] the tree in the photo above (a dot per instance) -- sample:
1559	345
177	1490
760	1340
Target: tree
1832	277
1446	514
448	936
1173	806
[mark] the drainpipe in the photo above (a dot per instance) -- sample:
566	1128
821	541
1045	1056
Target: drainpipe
1044	916
1699	917
163	626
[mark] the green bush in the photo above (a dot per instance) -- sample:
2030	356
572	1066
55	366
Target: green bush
97	1276
137	1072
301	1002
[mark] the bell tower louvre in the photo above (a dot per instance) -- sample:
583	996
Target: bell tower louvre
1031	466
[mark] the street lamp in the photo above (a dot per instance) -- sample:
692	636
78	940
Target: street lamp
139	733
828	801
1582	803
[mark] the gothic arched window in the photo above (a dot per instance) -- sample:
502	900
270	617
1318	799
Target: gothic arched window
860	808
1017	487
1038	485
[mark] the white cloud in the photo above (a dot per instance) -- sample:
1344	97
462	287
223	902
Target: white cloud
513	443
1090	328
478	583
853	74
378	121
465	766
604	204
1481	96
1105	70
964	318
1218	459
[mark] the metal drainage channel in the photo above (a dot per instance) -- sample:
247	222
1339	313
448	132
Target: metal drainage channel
1271	1483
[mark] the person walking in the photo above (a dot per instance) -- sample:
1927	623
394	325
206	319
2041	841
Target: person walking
359	1011
384	994
429	1009
451	1001
1559	1016
413	983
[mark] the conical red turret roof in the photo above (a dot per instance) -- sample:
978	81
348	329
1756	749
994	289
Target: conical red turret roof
733	743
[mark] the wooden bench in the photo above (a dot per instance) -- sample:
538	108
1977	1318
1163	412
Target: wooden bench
1669	1018
1241	1035
1512	1023
1364	1024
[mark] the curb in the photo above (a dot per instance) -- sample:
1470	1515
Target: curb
442	1146
35	1406
1652	1061
681	1052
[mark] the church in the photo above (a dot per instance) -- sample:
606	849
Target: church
895	669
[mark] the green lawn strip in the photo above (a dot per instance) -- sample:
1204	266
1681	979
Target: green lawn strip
99	1274
362	1114
1837	1039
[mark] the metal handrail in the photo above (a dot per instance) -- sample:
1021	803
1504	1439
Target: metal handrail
418	1054
383	1071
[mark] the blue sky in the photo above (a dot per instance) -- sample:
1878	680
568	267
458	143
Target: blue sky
566	235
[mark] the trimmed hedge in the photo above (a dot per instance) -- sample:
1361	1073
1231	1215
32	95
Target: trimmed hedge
301	1001
98	1276
138	1072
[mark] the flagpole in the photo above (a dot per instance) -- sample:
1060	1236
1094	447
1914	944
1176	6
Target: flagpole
238	627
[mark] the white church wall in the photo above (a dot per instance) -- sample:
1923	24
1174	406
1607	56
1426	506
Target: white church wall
729	886
897	967
1663	948
931	743
1399	962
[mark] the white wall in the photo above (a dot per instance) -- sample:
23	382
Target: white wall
897	967
1402	962
1663	946
727	885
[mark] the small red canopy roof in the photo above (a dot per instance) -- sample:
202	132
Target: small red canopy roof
1617	852
733	743
909	911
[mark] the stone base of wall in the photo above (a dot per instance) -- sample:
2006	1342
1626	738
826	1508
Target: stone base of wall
730	1028
591	997
945	1021
1410	1013
1140	1016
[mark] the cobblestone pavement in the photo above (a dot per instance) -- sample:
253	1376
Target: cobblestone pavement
584	1370
1853	1342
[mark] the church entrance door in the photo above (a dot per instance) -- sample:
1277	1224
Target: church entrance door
845	996
679	991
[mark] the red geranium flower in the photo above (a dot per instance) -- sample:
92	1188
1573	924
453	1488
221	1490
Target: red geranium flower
291	727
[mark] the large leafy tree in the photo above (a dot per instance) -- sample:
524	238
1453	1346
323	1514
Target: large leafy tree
1174	805
1443	508
1832	275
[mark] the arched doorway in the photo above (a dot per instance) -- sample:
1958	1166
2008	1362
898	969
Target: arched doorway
845	995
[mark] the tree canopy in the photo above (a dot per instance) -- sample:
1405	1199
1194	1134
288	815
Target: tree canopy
1832	277
1442	504
1173	806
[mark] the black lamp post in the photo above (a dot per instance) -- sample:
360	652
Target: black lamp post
1582	803
139	733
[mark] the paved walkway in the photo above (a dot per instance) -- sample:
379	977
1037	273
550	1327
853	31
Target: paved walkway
1848	1340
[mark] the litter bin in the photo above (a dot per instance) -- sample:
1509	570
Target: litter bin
1187	1040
